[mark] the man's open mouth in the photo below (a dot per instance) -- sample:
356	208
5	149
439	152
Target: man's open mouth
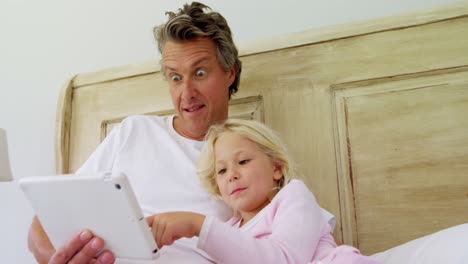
193	108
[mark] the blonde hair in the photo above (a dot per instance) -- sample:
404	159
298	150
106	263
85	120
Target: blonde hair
195	20
258	133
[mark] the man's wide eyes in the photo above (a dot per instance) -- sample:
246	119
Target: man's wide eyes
175	78
200	73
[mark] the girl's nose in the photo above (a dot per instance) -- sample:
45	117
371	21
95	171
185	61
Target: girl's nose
233	176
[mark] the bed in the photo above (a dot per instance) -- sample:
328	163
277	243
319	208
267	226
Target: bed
375	113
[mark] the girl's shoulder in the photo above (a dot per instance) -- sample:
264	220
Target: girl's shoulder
295	186
295	191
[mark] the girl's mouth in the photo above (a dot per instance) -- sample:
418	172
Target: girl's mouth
237	190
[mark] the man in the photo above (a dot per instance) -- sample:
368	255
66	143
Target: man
201	65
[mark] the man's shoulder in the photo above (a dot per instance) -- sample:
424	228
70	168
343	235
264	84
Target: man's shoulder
145	118
144	121
144	128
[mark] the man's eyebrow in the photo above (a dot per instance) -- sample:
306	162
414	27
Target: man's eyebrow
196	63
200	61
168	68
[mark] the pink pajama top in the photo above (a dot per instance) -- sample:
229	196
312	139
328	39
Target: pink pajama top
291	229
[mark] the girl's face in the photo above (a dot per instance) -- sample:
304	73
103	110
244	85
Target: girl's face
245	175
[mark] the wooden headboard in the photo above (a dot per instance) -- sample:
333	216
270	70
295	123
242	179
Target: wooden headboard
375	113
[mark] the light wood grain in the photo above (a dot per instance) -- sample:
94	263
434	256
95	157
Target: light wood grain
62	128
406	143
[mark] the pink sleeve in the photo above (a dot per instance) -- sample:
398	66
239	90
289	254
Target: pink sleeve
296	224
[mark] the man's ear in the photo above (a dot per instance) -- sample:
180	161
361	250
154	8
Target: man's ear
232	74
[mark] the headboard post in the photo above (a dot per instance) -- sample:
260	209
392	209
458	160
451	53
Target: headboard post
62	127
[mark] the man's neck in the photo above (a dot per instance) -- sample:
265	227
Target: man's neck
179	130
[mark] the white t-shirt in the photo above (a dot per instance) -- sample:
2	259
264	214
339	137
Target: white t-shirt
160	165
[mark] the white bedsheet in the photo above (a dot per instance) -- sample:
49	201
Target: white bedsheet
447	246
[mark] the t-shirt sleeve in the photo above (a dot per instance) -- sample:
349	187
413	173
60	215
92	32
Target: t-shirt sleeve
102	159
296	223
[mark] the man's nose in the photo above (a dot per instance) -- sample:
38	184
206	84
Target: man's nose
188	89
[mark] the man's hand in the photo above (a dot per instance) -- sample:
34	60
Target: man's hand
168	227
81	248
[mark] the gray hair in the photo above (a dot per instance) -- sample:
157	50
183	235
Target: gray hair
193	22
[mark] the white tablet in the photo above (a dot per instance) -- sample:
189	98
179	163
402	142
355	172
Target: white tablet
104	204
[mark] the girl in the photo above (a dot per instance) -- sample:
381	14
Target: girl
276	218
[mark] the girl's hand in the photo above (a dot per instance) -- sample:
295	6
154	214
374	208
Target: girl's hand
168	227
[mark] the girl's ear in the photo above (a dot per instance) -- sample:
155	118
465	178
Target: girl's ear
278	172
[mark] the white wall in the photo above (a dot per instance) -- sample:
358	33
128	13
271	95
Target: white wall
42	43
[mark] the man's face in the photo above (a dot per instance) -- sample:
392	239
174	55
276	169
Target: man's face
198	85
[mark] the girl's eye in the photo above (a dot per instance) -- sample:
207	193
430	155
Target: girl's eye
175	78
200	73
221	171
243	162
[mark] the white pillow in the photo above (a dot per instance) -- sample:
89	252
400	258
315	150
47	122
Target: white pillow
447	246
